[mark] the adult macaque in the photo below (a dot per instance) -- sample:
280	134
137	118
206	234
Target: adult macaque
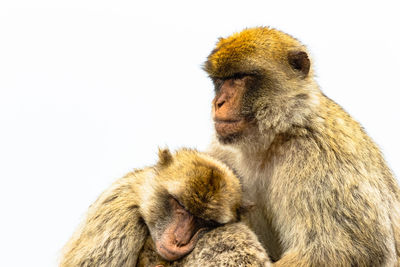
323	193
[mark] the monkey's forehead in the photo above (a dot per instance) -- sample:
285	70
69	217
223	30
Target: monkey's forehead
250	44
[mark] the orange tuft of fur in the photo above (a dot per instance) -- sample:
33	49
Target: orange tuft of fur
243	51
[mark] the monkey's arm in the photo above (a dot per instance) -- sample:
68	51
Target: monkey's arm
229	245
112	233
328	211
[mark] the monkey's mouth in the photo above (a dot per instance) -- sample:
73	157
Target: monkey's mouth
226	127
171	250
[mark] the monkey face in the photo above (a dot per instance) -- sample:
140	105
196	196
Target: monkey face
179	235
191	194
230	107
257	73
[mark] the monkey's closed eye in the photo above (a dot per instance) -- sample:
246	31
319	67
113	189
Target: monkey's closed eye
176	205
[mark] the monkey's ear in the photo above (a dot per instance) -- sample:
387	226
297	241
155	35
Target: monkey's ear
299	61
164	157
245	207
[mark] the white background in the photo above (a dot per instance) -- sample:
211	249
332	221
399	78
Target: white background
89	90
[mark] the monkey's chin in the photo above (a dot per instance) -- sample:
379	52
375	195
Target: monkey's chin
229	132
230	139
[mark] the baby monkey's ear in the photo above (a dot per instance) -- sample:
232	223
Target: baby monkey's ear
245	207
164	157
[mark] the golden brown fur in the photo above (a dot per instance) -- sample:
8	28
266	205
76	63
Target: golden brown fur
323	192
135	211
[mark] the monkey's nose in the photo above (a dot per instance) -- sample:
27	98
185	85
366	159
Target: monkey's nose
220	103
